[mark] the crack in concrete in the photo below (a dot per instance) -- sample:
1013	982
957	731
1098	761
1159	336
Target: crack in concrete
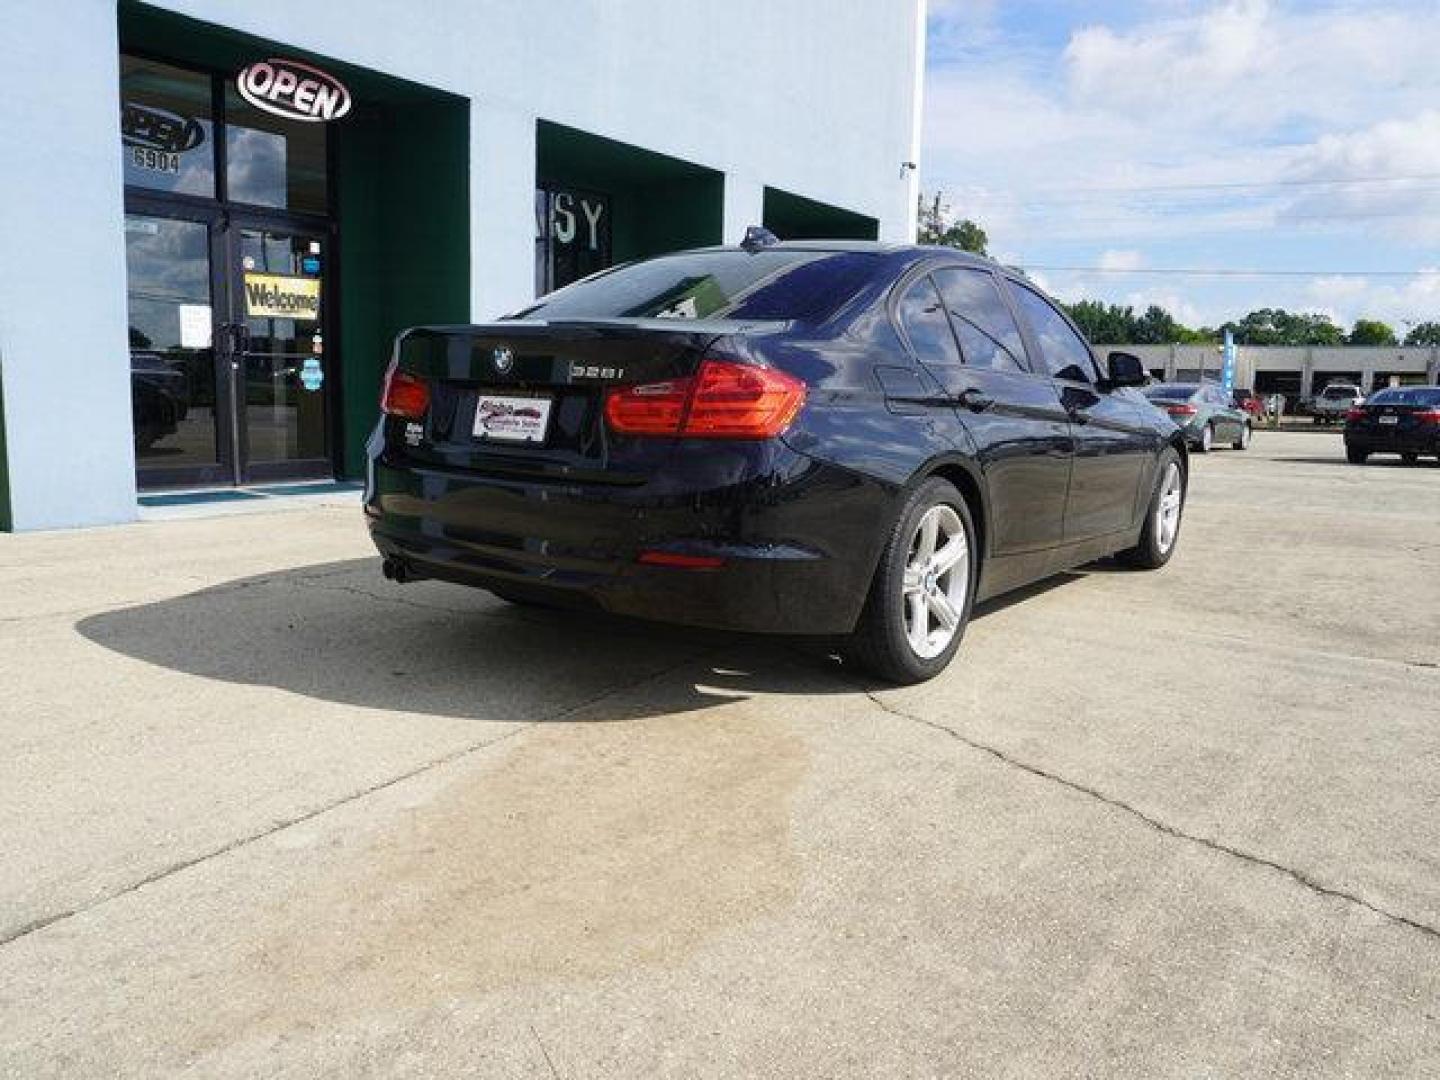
36	925
1220	847
540	1043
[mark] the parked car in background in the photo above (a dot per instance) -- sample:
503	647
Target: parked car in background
158	398
1402	420
1250	403
822	438
1204	412
1331	404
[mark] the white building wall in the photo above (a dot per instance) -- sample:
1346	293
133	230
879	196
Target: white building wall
811	96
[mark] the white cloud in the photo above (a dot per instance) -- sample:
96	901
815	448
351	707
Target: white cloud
1115	259
1221	134
1397	301
1350	166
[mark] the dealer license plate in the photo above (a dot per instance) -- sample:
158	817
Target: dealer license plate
1389	420
504	418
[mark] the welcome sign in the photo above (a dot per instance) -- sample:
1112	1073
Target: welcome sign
278	296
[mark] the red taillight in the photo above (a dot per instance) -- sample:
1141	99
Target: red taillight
1426	416
651	409
725	400
404	395
1180	410
1354	414
681	561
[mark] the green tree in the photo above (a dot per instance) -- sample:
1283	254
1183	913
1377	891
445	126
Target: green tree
1276	326
1155	327
1105	324
1425	333
1372	332
935	226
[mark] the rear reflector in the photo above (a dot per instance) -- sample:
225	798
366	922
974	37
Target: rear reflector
724	400
404	395
681	561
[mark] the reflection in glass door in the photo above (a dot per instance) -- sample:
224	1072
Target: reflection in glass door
280	311
172	358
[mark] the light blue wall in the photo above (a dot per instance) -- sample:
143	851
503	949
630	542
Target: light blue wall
64	359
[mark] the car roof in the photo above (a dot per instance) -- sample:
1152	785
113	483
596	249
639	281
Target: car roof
907	252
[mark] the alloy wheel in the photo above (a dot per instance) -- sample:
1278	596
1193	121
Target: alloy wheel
1167	508
936	580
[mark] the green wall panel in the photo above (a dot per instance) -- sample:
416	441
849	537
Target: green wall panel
658	203
794	217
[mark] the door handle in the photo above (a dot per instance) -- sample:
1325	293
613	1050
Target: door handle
974	400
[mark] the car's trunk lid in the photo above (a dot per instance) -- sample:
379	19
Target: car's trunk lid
488	383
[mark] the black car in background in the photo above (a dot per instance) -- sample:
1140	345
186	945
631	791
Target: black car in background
1402	420
159	398
812	438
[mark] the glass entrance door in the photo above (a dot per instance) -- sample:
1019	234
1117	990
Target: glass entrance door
227	240
178	393
278	313
228	374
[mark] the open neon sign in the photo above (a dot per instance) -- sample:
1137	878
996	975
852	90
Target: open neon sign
293	90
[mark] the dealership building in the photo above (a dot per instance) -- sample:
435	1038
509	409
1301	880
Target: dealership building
216	214
1297	373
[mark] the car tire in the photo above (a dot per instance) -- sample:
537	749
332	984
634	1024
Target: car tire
1242	442
1410	459
893	639
1163	516
1356	457
1206	442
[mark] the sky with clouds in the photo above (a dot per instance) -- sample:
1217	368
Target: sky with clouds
1102	144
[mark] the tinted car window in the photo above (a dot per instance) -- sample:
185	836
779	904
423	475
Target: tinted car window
988	335
1427	396
1065	353
923	317
804	285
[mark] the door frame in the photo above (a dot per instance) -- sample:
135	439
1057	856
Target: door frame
222	217
225	468
248	471
232	466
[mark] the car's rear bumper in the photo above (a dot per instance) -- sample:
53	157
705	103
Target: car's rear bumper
1423	441
798	540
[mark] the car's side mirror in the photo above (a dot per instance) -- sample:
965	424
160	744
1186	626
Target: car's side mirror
1126	369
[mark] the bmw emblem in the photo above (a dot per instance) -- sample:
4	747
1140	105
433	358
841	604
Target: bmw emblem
503	359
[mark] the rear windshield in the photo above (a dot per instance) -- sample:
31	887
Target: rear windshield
1340	391
1418	395
782	285
1175	392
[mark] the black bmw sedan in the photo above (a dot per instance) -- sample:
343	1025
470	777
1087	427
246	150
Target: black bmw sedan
820	438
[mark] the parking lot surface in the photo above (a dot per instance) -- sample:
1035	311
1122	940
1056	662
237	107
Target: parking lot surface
264	813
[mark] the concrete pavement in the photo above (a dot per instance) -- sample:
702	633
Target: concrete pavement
264	813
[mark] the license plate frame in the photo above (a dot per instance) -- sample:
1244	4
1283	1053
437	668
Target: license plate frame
513	419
